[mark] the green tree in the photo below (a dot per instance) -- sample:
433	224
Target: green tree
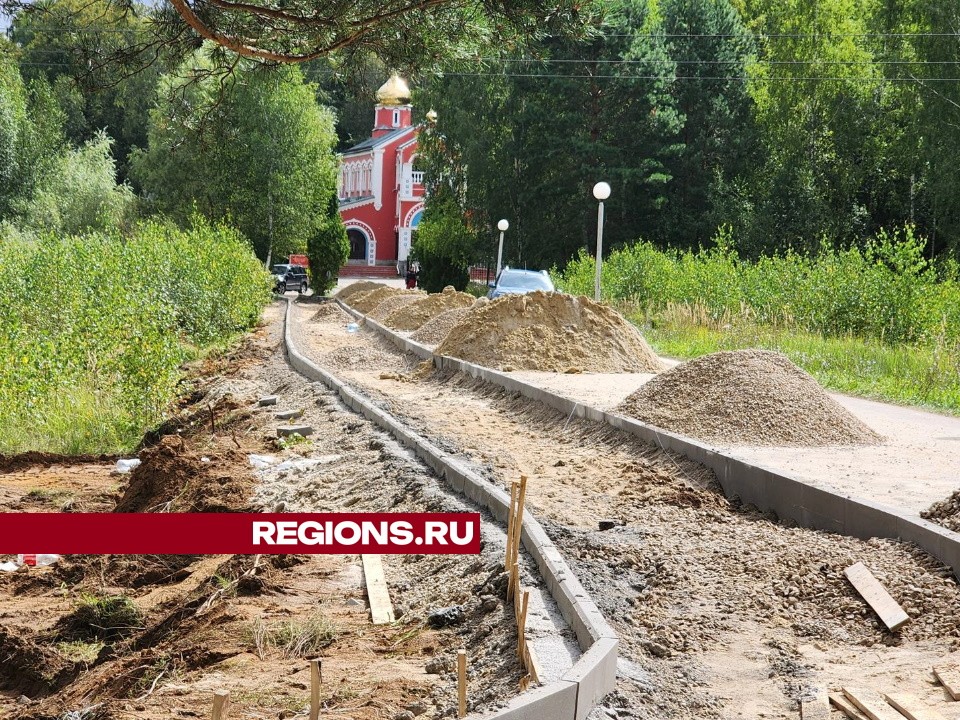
328	249
444	244
256	151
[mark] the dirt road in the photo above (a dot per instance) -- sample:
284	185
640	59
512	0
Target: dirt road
722	613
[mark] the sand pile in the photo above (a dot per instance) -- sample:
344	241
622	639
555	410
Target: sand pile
394	303
435	331
330	311
358	287
416	314
746	397
552	332
365	302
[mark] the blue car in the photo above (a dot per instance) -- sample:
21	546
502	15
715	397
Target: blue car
518	282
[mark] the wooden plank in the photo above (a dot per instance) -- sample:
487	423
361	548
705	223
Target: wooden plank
912	708
876	596
381	609
871	704
840	702
816	709
949	677
531	663
522	624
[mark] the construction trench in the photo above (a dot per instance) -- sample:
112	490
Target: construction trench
719	610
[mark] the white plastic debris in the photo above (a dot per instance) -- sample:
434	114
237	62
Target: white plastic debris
261	462
9	567
352	327
31	560
125	466
204	459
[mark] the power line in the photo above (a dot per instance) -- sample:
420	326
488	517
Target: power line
728	78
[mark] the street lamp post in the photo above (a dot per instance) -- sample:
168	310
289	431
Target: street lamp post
601	191
502	226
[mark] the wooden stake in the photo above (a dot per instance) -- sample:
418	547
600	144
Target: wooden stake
522	624
513	510
314	689
221	705
462	682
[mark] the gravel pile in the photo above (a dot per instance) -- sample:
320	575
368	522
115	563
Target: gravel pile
394	303
551	332
435	331
746	397
330	311
357	358
415	315
369	300
358	287
945	512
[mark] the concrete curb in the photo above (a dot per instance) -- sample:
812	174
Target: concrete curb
819	507
575	695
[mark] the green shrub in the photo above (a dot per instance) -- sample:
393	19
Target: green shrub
885	290
93	329
443	247
328	249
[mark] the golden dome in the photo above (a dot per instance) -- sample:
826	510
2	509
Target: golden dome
394	91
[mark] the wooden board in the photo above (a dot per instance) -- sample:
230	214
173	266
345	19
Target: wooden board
381	609
871	704
876	596
949	677
911	707
839	701
815	709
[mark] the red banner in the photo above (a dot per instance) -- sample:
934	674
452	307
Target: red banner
239	533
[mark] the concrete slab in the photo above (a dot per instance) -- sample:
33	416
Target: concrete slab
556	701
595	674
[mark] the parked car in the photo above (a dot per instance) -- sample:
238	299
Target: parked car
518	282
290	277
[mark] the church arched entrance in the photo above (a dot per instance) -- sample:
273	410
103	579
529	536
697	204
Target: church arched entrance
358	244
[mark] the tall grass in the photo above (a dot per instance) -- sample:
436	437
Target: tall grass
93	329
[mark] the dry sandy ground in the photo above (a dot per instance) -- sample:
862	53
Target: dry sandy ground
722	613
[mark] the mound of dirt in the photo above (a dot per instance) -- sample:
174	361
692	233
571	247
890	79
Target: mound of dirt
369	300
358	287
434	331
173	478
395	302
551	332
746	397
415	315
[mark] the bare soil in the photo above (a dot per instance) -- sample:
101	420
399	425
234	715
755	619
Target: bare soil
746	397
206	623
550	331
393	304
722	612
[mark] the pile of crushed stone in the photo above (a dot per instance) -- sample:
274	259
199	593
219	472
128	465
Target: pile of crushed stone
551	332
415	315
358	358
330	311
746	397
945	512
395	302
367	301
357	287
435	331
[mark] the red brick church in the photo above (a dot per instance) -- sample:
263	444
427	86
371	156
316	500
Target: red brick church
380	191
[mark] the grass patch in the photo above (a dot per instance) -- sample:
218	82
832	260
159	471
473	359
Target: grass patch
80	651
294	638
108	617
921	375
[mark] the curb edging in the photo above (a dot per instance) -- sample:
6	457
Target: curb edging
579	690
